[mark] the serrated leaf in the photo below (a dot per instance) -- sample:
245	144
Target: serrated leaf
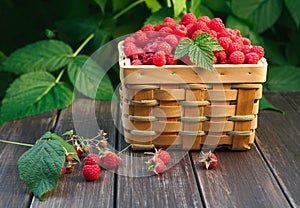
204	39
40	166
34	93
183	48
263	13
46	55
178	6
293	7
66	145
89	78
202	57
283	78
154	5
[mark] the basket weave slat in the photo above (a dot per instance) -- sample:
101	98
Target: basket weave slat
190	107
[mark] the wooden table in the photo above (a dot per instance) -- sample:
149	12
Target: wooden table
268	175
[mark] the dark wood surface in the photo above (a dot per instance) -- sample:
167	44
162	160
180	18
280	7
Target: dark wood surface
265	176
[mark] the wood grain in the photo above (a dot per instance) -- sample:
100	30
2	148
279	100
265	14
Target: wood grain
240	180
13	192
278	139
72	189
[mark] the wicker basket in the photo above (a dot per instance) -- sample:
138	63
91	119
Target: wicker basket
190	107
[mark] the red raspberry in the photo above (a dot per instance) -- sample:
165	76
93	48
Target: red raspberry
91	172
200	25
92	159
62	172
220	55
224	42
164	46
208	160
246	41
156	165
148	28
237	57
180	30
215	60
141	38
151	47
136	62
131	49
251	58
235	46
170	59
188	18
78	149
163	155
110	160
246	49
167	30
129	40
169	22
172	40
212	33
205	19
147	59
259	50
157	27
159	58
216	24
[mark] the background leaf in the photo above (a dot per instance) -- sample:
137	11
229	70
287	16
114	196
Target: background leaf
158	17
236	23
154	5
101	4
263	13
40	166
46	55
34	93
202	10
179	6
264	104
293	7
283	78
85	75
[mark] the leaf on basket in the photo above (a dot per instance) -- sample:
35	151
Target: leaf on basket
200	50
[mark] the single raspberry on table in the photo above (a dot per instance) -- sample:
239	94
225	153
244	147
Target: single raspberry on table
259	50
237	57
110	160
92	159
164	156
91	172
188	18
159	58
208	160
251	58
156	165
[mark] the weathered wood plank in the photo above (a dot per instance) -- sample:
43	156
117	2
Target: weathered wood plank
137	188
13	192
278	140
241	179
86	117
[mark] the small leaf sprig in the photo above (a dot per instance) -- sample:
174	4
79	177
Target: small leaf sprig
200	50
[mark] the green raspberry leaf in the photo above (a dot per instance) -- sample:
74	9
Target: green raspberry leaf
89	78
46	55
34	93
66	145
200	50
204	39
202	57
183	48
40	166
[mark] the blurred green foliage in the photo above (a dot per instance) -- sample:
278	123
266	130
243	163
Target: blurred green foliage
273	24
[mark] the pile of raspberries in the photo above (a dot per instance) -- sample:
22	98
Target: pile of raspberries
155	44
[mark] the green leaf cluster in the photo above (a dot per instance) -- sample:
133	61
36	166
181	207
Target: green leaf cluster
40	166
200	50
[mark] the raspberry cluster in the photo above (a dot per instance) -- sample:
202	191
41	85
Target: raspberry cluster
155	44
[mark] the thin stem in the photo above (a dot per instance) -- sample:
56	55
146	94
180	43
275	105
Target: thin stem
123	11
83	44
60	75
123	150
17	143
